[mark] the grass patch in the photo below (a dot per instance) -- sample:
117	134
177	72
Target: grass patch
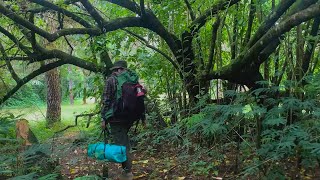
36	117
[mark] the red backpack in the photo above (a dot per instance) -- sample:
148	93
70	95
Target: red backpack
129	105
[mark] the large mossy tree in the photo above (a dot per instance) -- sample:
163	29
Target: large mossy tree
194	33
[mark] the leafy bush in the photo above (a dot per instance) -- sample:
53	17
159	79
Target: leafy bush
29	94
288	135
31	162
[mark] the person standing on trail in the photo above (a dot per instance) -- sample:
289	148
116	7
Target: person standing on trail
123	104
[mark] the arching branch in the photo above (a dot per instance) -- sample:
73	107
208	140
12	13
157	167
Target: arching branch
245	60
49	5
107	27
34	74
270	48
50	37
274	16
64	59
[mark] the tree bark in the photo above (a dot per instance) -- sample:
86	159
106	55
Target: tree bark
53	97
299	53
53	114
71	97
84	98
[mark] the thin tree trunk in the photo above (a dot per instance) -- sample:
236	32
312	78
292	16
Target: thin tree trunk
53	114
299	53
71	97
84	97
53	97
310	48
276	65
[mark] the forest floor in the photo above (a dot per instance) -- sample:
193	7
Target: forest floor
155	163
74	163
150	161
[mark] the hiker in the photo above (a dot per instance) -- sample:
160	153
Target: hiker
119	117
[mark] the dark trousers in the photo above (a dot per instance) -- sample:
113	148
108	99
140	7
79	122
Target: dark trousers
119	133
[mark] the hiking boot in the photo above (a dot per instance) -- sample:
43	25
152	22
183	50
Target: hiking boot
126	176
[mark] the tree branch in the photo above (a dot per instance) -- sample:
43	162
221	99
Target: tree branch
69	44
32	38
10	68
130	5
218	6
108	26
15	40
250	21
52	6
51	54
39	10
32	75
214	32
263	56
145	42
19	58
310	45
64	59
266	52
193	17
273	17
4	83
94	14
104	56
50	37
14	45
122	23
152	23
245	60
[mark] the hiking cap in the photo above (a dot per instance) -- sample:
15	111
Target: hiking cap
119	64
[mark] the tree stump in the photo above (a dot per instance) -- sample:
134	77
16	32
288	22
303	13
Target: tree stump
24	133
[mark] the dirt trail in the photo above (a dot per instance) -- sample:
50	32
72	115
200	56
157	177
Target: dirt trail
75	163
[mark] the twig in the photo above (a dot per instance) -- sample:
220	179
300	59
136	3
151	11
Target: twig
76	121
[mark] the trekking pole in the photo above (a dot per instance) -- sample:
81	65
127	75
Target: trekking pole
105	168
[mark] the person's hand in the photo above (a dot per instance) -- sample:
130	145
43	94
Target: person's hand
103	124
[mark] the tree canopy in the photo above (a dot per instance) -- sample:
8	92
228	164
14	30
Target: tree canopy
190	30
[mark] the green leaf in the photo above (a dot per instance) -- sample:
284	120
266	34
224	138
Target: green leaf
275	121
49	177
